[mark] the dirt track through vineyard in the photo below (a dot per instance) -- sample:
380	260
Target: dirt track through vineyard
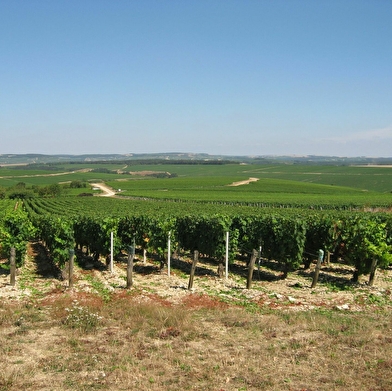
106	190
46	175
245	182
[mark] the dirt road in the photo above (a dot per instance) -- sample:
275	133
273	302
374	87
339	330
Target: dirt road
107	191
244	182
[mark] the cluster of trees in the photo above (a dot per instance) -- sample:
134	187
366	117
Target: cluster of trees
22	191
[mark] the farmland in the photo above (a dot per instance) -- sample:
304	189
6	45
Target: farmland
243	199
278	183
280	334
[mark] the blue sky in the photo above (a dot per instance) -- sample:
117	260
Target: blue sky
241	77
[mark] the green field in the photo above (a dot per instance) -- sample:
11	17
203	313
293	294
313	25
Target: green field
365	178
288	184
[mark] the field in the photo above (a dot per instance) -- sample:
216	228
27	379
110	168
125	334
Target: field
368	178
288	184
280	334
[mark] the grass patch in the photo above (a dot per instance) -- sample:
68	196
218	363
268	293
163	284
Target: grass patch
140	341
99	287
337	286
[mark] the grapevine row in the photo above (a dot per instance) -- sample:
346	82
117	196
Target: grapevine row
15	229
290	237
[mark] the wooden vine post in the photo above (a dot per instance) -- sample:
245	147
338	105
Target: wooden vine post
168	253
193	268
372	271
328	257
111	252
131	255
12	267
70	268
220	270
318	267
259	262
227	256
250	268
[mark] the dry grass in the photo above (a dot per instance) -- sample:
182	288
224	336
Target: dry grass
202	346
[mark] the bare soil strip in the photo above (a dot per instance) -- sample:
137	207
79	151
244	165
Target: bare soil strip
245	182
106	190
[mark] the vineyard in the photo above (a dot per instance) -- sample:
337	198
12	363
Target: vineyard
96	331
286	220
290	236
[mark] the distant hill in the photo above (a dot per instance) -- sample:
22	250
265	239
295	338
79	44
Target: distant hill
177	157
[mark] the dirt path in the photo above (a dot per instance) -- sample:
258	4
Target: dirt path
246	182
107	191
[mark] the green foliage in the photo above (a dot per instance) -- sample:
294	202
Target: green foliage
53	190
20	194
159	234
320	234
287	235
20	186
283	239
78	184
15	231
136	228
58	236
204	233
103	170
289	219
94	234
364	239
274	191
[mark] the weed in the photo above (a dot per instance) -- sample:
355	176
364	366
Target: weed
336	286
99	287
74	343
5	266
19	322
379	300
81	318
184	367
182	275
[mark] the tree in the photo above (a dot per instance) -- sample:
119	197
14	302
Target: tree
77	185
53	190
20	194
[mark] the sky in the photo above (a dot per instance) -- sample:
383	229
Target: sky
227	77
